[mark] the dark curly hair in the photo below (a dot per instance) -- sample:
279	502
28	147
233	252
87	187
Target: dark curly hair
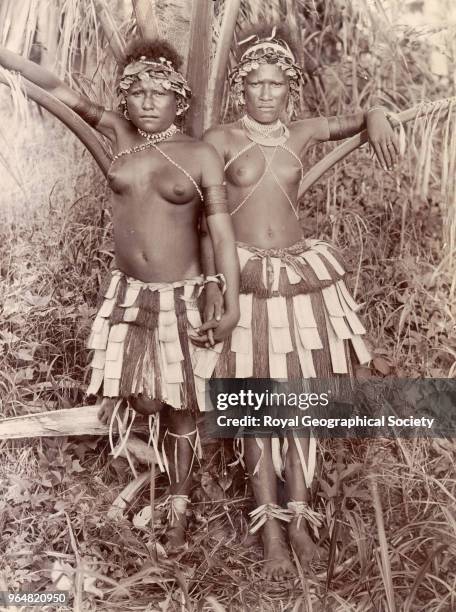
264	31
152	50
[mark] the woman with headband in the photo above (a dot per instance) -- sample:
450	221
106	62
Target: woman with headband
298	319
161	182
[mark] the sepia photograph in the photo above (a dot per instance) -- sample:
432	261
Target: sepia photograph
228	305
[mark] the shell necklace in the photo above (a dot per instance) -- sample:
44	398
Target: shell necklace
156	137
261	133
152	139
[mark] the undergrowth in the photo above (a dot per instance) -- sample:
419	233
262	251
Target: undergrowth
56	493
56	527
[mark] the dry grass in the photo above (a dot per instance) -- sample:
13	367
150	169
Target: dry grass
55	494
389	539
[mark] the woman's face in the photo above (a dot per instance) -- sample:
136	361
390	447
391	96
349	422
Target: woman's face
266	93
151	107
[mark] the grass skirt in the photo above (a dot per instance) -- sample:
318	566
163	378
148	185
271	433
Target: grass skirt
140	341
298	319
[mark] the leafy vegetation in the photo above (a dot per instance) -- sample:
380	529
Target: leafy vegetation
389	539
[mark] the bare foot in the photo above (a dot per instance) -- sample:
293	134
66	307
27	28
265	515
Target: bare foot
302	543
106	409
175	534
277	565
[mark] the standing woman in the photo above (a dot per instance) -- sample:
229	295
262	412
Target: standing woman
161	181
298	320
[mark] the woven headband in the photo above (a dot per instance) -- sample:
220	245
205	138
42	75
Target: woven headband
281	49
161	71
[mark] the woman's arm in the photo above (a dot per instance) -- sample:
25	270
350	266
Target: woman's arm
95	115
216	138
375	120
222	237
213	297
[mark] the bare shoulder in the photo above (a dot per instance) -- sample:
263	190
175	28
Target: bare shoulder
223	132
198	147
202	154
209	152
224	137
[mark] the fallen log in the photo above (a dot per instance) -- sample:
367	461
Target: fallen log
81	421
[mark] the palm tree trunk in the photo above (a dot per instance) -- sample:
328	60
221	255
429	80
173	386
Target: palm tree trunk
295	29
112	34
47	34
198	64
146	19
219	67
18	24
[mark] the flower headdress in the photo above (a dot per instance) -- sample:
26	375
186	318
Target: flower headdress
267	51
162	72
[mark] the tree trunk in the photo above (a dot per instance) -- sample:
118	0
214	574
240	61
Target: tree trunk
47	35
110	30
19	22
217	77
198	66
295	30
146	19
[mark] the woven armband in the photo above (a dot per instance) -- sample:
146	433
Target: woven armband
219	279
334	128
215	200
343	126
89	111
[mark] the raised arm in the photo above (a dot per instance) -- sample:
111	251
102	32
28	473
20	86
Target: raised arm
375	120
95	115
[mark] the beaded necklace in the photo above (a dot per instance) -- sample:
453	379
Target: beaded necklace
263	129
156	137
152	139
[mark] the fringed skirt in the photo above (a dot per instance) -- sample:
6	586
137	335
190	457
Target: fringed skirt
140	341
298	319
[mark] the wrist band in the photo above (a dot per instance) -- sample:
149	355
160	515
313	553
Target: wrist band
215	199
392	117
219	279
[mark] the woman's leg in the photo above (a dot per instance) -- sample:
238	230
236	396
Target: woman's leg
264	484
180	446
297	491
